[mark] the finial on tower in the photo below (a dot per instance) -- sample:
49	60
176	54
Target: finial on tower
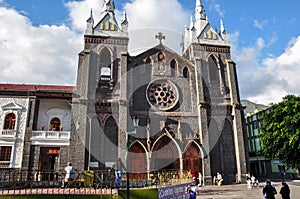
160	36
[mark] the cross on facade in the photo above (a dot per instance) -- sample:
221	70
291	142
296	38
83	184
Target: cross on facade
160	36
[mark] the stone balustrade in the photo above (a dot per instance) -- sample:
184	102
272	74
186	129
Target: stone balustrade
50	135
8	133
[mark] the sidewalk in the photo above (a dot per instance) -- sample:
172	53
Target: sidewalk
240	191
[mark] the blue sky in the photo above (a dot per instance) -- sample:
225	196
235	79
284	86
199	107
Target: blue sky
264	36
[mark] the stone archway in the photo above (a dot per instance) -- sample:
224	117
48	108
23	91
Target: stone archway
137	162
165	155
191	159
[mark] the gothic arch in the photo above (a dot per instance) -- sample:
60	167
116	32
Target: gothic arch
110	141
165	154
186	73
229	150
173	67
137	160
215	57
214	147
192	160
106	60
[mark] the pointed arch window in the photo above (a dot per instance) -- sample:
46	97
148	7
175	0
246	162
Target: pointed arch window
54	124
213	70
105	65
10	121
186	73
173	67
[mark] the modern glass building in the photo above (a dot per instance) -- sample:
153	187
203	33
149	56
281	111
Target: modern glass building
259	165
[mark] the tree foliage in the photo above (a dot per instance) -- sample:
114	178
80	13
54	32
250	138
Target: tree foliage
280	131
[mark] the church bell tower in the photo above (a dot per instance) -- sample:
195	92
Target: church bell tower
102	62
219	108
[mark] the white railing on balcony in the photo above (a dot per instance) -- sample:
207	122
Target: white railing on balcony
50	135
8	133
4	164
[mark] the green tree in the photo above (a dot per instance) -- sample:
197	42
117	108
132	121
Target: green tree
280	131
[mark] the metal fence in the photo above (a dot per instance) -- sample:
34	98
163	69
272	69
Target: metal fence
87	182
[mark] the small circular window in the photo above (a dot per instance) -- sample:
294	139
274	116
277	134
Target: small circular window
162	94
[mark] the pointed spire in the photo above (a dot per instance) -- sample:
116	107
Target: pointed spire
124	22
222	29
191	23
90	24
198	3
200	17
199	10
91	19
124	18
109	6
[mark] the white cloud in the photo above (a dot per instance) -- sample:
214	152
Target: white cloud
260	24
79	12
147	18
35	54
273	78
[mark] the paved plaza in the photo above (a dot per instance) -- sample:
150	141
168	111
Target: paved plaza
240	191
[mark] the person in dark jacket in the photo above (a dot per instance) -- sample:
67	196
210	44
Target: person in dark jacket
285	191
269	190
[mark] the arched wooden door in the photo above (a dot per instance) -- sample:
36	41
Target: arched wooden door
165	155
191	160
137	162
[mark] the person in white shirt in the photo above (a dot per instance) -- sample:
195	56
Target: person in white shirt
219	179
70	174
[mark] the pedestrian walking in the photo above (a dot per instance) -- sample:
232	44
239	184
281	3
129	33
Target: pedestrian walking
269	190
191	191
282	173
70	174
285	191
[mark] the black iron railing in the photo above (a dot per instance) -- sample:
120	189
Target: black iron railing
14	181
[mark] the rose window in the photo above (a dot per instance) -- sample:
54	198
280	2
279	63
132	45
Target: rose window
162	94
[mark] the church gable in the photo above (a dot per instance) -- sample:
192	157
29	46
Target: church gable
107	23
209	33
164	78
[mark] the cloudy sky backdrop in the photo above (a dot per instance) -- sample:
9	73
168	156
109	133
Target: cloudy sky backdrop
40	39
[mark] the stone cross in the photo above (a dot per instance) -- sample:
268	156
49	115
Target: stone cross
160	36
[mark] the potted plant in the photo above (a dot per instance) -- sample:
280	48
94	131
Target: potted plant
61	127
42	127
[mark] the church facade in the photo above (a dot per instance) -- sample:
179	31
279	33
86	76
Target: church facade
157	110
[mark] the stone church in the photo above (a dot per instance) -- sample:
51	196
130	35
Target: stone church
158	110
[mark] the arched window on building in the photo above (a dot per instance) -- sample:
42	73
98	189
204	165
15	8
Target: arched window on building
54	124
173	67
213	71
186	73
105	70
10	121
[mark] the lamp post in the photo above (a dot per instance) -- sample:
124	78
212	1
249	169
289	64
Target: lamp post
135	121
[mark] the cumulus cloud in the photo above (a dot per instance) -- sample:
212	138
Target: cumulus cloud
147	18
35	54
79	12
273	78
